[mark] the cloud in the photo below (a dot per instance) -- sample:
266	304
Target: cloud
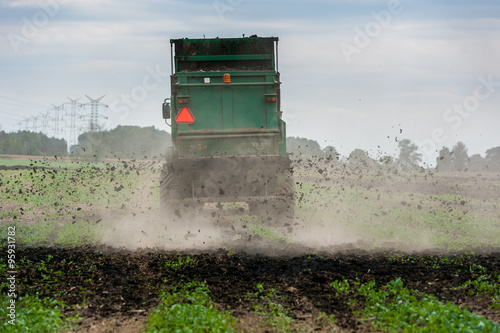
428	58
19	3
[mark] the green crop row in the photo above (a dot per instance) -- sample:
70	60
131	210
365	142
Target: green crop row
396	308
180	262
267	303
34	314
189	308
462	262
486	286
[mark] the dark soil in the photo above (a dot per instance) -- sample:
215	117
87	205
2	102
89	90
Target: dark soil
114	290
120	287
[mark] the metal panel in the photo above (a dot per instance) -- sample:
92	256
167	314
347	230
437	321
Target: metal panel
236	53
228	145
206	104
226	57
249	107
227	108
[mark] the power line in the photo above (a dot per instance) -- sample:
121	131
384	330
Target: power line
17	100
21	106
51	119
12	114
8	118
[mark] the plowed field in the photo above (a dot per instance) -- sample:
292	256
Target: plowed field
115	290
90	235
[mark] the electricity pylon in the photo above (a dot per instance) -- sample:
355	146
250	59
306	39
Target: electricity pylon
94	113
72	120
45	122
57	110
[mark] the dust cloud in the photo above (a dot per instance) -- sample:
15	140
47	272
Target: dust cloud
161	231
340	207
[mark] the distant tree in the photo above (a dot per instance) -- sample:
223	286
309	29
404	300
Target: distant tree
492	159
444	161
476	163
303	147
459	157
409	157
3	140
358	155
493	154
331	153
29	143
123	142
359	159
92	146
387	162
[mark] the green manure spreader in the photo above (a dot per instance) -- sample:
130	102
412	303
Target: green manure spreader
229	141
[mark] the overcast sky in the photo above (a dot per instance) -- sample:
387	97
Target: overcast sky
355	74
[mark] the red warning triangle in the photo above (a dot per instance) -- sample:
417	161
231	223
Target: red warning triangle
185	116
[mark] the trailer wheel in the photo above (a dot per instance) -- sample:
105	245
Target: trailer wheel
174	206
278	210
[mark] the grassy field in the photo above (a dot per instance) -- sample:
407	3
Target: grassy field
68	205
420	211
450	211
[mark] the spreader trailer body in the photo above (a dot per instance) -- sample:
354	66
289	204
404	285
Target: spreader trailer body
229	141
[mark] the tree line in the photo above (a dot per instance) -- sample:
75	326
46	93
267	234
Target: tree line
120	142
132	142
458	159
151	143
409	158
29	143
